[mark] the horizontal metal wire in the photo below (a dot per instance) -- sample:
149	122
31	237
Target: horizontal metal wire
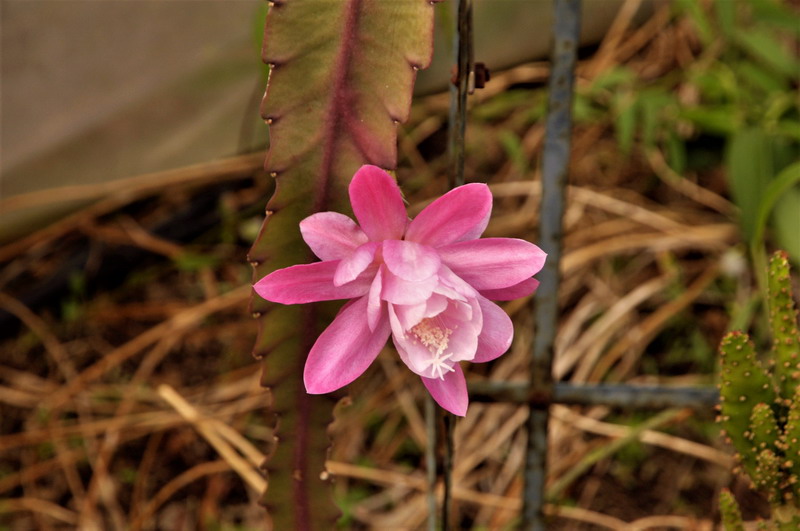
625	396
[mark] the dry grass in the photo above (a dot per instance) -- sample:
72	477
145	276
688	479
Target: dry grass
141	408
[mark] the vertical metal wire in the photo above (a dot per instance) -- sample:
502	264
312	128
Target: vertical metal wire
555	162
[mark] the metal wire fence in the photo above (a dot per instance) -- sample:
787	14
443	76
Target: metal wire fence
540	392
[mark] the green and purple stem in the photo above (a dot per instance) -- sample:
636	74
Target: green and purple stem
342	75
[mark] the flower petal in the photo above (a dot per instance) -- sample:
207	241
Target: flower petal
345	349
452	286
409	315
377	204
435	305
399	337
523	289
399	291
409	260
464	341
450	393
497	332
428	346
374	303
355	263
493	263
309	283
332	236
460	214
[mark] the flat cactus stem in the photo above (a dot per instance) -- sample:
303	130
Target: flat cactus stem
341	78
743	385
783	322
731	514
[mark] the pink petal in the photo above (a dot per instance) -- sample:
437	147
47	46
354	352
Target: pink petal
409	315
493	263
399	291
452	286
460	214
450	393
463	342
399	338
411	353
377	204
332	236
435	305
497	332
345	349
409	260
523	289
374	305
461	323
308	283
355	263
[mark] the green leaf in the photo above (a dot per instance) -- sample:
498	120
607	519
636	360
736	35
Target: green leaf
720	119
341	78
788	128
726	15
513	147
676	153
650	105
779	14
761	45
769	196
760	79
625	121
698	17
717	84
612	78
749	160
786	220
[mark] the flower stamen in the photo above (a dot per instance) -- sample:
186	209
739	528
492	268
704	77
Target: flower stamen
436	338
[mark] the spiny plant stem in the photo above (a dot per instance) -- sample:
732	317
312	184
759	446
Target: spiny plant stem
462	48
449	450
430	461
456	132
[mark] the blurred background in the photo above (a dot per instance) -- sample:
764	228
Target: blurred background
131	188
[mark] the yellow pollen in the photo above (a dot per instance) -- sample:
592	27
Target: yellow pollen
432	336
436	339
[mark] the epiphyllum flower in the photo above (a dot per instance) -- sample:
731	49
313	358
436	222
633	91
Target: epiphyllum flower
426	282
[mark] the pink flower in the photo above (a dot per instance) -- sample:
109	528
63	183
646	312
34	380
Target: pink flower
426	282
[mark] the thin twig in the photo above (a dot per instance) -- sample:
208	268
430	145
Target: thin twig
249	473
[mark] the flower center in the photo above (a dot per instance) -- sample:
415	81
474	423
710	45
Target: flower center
435	338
